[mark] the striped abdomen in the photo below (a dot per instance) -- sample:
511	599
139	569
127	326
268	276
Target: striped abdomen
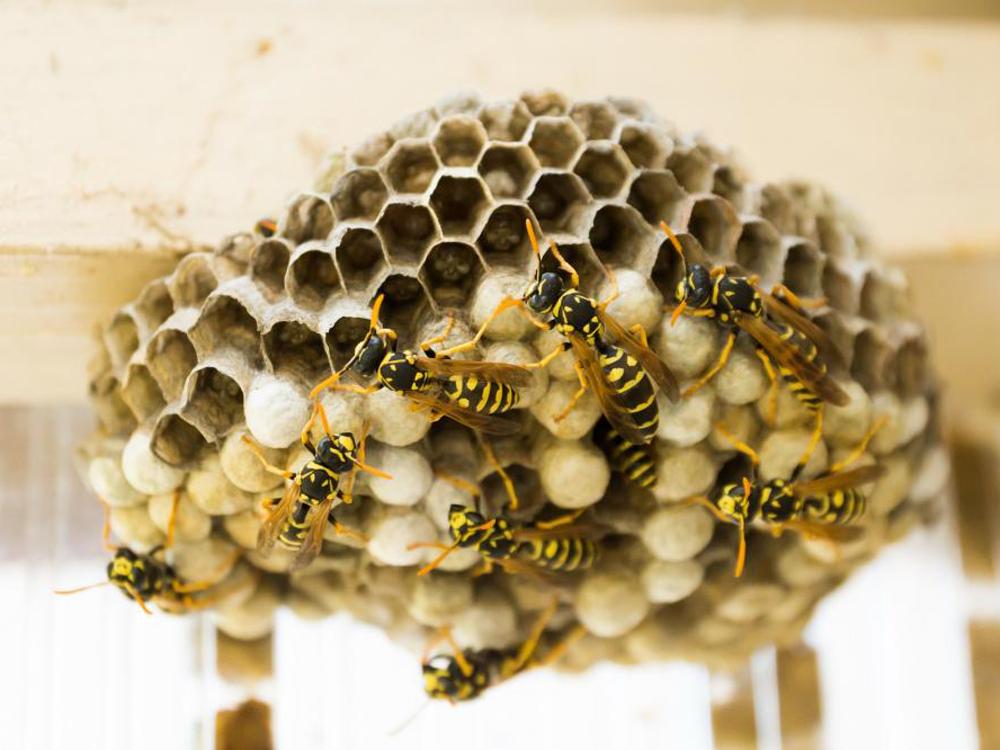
636	462
837	507
479	395
807	348
318	483
563	553
626	377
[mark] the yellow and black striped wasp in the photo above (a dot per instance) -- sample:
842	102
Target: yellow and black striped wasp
475	394
637	463
614	362
266	227
821	507
783	335
466	674
298	519
148	577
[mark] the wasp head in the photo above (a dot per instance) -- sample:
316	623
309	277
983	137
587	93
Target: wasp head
463	523
545	292
338	452
695	289
368	354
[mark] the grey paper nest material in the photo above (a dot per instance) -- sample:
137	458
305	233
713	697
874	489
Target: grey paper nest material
431	212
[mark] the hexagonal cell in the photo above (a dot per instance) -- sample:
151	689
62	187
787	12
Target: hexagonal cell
176	441
451	272
584	260
406	301
555	141
112	412
225	323
458	202
834	239
459	140
505	121
309	217
776	207
458	103
912	374
372	150
715	225
840	289
759	250
692	165
406	230
628	106
153	305
359	194
668	270
507	169
213	403
657	196
872	357
621	237
604	168
646	147
294	349
803	268
545	102
343	336
122	339
358	254
831	322
312	277
171	357
141	393
597	120
555	198
268	265
504	241
192	281
410	166
727	182
877	297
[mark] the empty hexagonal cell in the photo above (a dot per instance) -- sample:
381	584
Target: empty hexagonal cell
803	269
372	150
504	240
359	194
657	196
112	412
621	237
343	336
759	250
646	147
505	121
213	402
153	305
840	289
872	357
192	281
834	239
309	217
312	277
451	271
911	367
121	338
141	393
878	297
459	140
727	182
268	264
170	356
458	202
407	230
358	254
410	166
405	302
507	169
692	165
604	168
225	323
555	141
776	207
294	349
597	120
715	225
545	102
555	198
176	441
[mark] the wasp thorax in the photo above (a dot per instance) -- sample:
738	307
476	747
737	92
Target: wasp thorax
337	453
737	293
369	354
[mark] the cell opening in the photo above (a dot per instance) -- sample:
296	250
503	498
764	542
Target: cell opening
459	141
170	357
410	166
604	168
359	256
555	199
507	169
359	194
294	349
657	196
407	230
268	265
312	278
458	203
176	442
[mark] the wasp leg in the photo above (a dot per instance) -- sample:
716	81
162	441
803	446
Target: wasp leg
562	520
444	634
196	586
445	551
106	529
708	505
351	388
640	333
861	447
817	433
739	445
790	298
544	361
427	346
255	449
557	651
172	518
723	358
342	530
458	482
531	644
576	396
772	391
508	484
505	304
615	291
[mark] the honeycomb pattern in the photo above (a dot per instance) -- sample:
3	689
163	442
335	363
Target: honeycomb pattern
431	213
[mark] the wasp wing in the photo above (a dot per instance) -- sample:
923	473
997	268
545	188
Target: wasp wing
789	356
487	423
784	312
496	372
589	530
825	531
650	362
841	480
313	541
275	521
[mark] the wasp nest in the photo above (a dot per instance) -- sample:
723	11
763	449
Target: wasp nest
431	213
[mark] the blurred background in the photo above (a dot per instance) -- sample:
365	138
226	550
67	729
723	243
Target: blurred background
133	132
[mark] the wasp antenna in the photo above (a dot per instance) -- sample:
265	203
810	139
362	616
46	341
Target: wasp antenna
673	240
65	592
409	719
370	469
532	239
677	312
741	554
138	598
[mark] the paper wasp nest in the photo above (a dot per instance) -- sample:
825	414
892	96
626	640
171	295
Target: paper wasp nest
431	212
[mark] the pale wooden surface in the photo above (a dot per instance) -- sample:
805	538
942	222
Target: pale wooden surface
132	132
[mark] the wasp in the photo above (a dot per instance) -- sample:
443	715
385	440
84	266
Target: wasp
614	362
819	507
148	577
637	463
475	394
466	674
298	519
266	227
786	341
